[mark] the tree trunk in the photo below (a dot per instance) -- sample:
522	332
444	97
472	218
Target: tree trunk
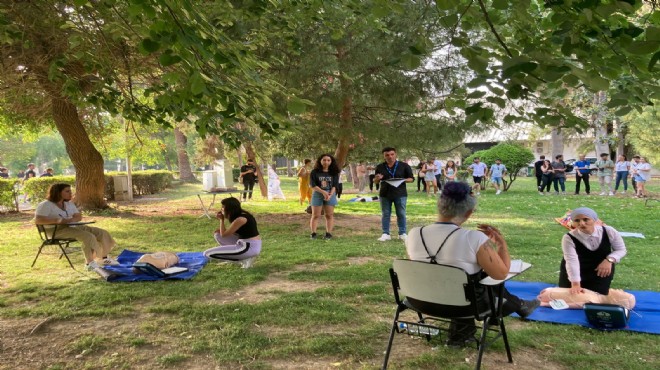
185	171
353	172
557	142
88	162
601	141
346	125
249	151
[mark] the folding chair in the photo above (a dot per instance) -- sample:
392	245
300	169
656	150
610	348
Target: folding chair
438	293
62	243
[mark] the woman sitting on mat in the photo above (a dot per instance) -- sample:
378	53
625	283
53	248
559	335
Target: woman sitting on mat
240	242
590	253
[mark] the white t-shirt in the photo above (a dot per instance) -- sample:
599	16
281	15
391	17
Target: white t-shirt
50	209
438	167
622	166
460	250
644	171
478	170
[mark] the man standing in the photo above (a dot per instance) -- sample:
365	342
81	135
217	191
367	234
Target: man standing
605	169
396	194
497	172
48	173
249	175
582	172
559	168
29	173
478	171
538	172
438	175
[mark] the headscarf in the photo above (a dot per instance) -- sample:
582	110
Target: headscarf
584	211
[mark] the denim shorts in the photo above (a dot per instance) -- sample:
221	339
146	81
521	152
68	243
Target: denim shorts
496	180
318	200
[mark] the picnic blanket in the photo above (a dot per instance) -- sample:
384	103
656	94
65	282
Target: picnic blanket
194	261
645	317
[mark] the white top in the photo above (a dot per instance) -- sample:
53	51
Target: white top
438	167
644	171
622	166
460	250
50	209
478	170
591	242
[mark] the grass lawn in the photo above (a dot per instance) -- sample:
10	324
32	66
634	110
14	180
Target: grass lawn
305	304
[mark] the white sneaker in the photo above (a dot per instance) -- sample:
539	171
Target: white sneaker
610	194
92	266
602	193
498	192
478	193
384	238
403	237
109	261
248	262
563	193
540	193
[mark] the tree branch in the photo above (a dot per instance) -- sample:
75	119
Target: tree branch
492	28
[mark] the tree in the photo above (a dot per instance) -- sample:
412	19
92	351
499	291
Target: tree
514	156
70	58
644	133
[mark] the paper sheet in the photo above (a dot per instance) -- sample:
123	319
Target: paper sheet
395	181
631	235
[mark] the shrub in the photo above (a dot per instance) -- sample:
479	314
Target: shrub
513	156
37	188
144	182
9	194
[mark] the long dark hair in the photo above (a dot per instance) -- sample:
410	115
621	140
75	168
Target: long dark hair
333	169
55	192
233	208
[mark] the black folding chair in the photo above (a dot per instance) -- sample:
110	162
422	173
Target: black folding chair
46	240
438	293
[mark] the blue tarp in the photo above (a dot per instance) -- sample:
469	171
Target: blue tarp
645	317
194	261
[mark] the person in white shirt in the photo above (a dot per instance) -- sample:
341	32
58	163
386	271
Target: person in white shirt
633	172
438	174
478	171
622	167
480	253
58	211
643	174
590	253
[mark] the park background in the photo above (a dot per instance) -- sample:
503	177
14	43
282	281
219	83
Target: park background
93	87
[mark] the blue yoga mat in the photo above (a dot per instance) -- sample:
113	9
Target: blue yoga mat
194	261
645	317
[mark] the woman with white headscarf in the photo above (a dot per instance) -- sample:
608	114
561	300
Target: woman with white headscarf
590	253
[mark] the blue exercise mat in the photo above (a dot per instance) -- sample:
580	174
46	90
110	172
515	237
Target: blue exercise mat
645	317
194	261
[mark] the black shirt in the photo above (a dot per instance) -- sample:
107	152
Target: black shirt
249	176
28	173
323	180
400	170
4	175
249	229
537	168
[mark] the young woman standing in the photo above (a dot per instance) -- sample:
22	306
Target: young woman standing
323	180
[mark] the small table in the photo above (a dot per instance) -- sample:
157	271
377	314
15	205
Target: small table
206	209
517	267
80	223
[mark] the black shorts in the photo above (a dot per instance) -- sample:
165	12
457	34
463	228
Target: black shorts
477	179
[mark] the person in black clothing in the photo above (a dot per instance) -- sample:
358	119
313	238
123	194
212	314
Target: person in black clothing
390	194
420	177
29	173
48	173
249	174
324	180
240	242
538	172
3	173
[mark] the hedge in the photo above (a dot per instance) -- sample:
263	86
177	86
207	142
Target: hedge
8	194
37	188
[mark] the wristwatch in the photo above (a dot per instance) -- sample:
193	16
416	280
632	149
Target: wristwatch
611	259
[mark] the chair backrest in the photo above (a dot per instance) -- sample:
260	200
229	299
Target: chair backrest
432	283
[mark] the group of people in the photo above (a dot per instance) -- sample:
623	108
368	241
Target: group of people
26	174
639	170
432	173
480	170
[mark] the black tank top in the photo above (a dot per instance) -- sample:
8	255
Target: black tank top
249	229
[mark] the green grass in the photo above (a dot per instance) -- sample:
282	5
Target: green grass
314	304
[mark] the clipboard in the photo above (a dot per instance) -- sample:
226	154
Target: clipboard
395	181
149	269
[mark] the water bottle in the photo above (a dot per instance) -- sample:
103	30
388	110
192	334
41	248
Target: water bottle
403	327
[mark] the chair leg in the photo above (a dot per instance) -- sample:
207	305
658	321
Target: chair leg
482	343
391	339
38	253
63	249
506	340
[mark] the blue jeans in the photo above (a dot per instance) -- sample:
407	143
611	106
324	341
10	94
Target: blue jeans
621	175
386	213
561	181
